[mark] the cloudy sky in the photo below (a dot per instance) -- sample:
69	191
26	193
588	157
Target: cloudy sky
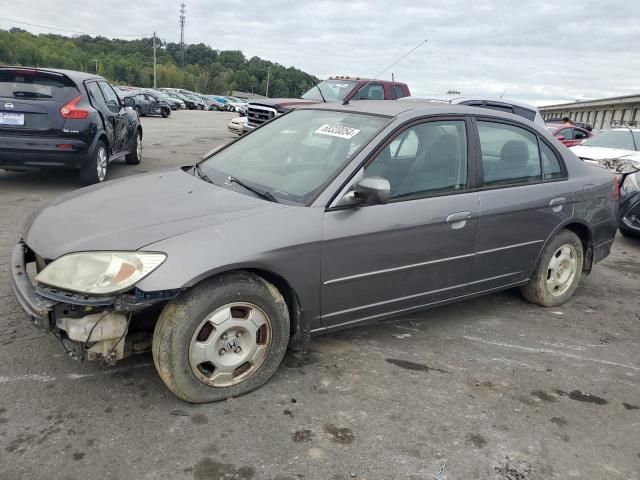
538	51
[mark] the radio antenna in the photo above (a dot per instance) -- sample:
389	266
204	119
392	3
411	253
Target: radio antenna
346	102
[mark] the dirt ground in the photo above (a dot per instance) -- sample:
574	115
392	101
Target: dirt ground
493	388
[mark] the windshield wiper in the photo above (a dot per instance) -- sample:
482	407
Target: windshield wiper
265	195
202	175
31	94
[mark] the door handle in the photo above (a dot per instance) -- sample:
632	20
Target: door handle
458	220
557	203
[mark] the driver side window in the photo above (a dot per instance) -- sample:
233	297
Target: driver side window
425	159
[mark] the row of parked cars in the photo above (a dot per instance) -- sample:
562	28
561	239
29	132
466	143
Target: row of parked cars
177	98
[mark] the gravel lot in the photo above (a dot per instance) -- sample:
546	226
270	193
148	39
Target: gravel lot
492	388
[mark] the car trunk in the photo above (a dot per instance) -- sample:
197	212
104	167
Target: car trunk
30	101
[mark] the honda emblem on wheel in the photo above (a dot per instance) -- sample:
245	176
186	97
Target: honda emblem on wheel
231	344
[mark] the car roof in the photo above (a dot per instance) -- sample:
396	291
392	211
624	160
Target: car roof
394	108
457	98
74	75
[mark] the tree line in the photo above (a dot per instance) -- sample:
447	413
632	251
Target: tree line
130	62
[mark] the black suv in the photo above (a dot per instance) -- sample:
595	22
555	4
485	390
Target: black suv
53	118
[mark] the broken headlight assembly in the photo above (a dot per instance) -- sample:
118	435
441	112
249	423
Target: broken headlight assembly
100	273
631	184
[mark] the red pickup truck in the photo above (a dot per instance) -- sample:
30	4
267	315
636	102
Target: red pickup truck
334	89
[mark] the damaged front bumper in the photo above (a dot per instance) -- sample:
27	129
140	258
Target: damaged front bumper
89	327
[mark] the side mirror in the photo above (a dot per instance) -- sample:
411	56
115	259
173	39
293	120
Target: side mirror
129	102
372	190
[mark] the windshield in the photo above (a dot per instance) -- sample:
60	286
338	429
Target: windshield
333	90
622	139
293	156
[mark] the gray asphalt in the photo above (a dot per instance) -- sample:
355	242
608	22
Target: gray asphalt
494	388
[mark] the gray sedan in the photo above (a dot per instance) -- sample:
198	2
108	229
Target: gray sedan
327	217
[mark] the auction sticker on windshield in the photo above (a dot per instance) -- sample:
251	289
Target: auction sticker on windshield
340	131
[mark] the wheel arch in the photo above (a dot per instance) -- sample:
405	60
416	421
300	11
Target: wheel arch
584	233
300	334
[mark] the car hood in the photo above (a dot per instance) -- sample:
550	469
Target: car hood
285	103
130	213
600	153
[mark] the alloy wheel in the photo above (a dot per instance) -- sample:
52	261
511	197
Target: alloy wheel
101	164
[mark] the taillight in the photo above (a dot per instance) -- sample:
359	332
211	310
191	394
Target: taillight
616	189
70	110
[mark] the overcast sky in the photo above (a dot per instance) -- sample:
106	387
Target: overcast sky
538	51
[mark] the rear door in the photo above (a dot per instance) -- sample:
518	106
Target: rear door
96	97
118	115
524	197
30	101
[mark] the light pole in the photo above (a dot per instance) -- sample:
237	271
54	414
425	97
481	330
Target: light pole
251	89
266	94
96	60
154	59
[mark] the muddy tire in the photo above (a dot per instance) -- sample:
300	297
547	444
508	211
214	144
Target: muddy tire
223	338
558	272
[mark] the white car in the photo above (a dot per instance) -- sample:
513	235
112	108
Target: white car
525	110
611	144
236	124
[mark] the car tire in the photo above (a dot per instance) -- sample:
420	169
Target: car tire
223	338
558	272
165	112
135	157
97	169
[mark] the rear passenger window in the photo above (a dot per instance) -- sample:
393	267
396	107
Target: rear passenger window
95	94
509	154
550	164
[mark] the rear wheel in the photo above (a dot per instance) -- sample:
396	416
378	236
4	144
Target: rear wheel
135	157
629	233
558	273
223	338
165	112
96	170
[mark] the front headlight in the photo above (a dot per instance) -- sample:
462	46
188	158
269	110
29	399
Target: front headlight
631	184
100	272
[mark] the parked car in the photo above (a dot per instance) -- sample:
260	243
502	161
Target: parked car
618	149
190	103
177	98
584	125
219	103
342	198
236	104
147	104
52	118
236	125
525	110
569	136
174	103
340	88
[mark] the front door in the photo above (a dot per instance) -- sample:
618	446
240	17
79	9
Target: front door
525	197
415	250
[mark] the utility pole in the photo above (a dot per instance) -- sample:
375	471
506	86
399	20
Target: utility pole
154	60
183	16
266	94
96	60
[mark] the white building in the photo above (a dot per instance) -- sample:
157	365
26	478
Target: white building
600	113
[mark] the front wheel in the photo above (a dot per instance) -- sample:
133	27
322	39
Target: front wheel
223	338
558	273
165	112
